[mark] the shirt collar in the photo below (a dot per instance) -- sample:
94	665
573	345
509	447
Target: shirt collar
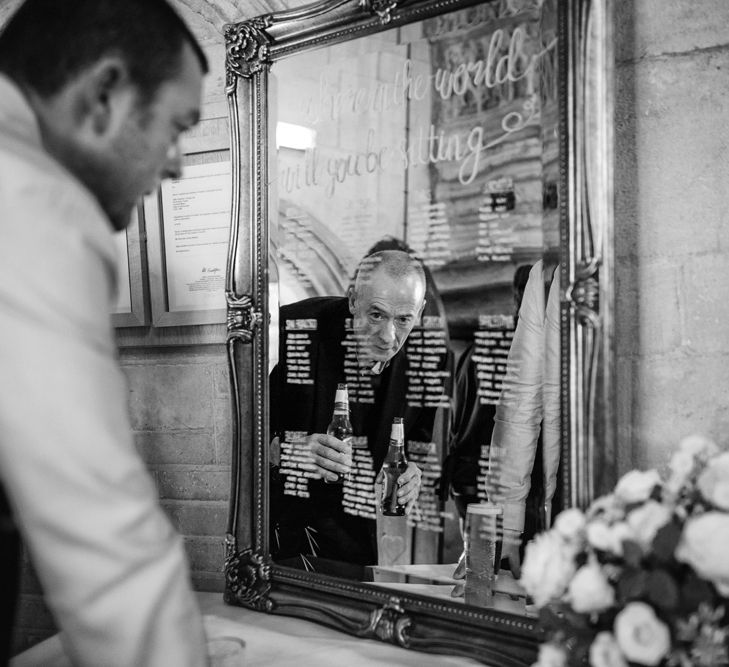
16	115
19	122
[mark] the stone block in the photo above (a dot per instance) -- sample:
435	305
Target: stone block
647	28
675	397
223	431
627	307
659	329
202	484
677	202
170	397
198	517
625	382
186	447
208	582
704	307
206	554
221	377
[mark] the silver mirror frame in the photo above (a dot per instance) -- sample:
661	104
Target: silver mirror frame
586	162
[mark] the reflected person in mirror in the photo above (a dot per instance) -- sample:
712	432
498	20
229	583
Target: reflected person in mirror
93	97
384	304
526	420
472	419
528	411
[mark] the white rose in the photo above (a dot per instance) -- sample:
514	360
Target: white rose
599	535
681	464
605	652
646	520
551	655
606	508
641	635
704	546
713	482
570	523
619	533
608	538
698	446
548	567
589	591
637	486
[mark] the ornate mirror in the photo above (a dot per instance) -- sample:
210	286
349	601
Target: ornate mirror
474	139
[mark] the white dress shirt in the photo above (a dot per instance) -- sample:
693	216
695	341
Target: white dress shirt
529	402
113	569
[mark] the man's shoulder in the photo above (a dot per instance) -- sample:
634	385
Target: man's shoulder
35	188
320	308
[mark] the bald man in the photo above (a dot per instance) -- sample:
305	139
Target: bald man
380	310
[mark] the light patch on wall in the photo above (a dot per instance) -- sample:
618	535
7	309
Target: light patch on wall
298	137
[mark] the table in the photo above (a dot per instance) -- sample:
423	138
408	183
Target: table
436	580
276	641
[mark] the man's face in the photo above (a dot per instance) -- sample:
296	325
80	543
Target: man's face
385	310
145	149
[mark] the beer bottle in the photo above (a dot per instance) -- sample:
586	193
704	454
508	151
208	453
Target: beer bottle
340	427
394	465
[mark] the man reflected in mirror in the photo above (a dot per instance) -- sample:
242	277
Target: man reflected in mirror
93	97
383	305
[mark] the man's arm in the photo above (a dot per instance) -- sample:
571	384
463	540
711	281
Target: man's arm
519	410
552	417
113	569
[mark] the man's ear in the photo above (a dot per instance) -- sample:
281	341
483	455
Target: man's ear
422	308
351	297
104	93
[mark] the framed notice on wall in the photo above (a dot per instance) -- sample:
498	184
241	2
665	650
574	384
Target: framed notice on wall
130	309
188	223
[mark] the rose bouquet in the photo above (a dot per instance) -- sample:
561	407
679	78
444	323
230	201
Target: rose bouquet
642	576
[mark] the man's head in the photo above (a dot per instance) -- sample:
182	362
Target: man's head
386	302
113	84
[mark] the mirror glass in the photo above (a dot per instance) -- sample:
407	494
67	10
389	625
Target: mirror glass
438	138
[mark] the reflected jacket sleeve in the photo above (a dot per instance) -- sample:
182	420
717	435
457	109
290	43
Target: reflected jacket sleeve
551	419
519	410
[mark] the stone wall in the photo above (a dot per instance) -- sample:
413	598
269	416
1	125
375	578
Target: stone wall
671	207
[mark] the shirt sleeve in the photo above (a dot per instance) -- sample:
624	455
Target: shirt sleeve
519	410
552	419
113	570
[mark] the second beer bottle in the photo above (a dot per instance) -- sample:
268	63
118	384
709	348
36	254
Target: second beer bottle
340	427
395	464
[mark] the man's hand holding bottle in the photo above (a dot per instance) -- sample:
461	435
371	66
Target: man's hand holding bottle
408	486
330	456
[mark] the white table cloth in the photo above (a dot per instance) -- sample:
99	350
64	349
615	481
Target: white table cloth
275	641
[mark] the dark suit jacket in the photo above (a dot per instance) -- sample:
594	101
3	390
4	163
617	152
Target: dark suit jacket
308	407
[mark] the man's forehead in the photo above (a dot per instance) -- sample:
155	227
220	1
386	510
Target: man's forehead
392	296
379	276
184	90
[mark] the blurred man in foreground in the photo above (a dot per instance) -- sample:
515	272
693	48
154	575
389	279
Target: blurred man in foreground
93	97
